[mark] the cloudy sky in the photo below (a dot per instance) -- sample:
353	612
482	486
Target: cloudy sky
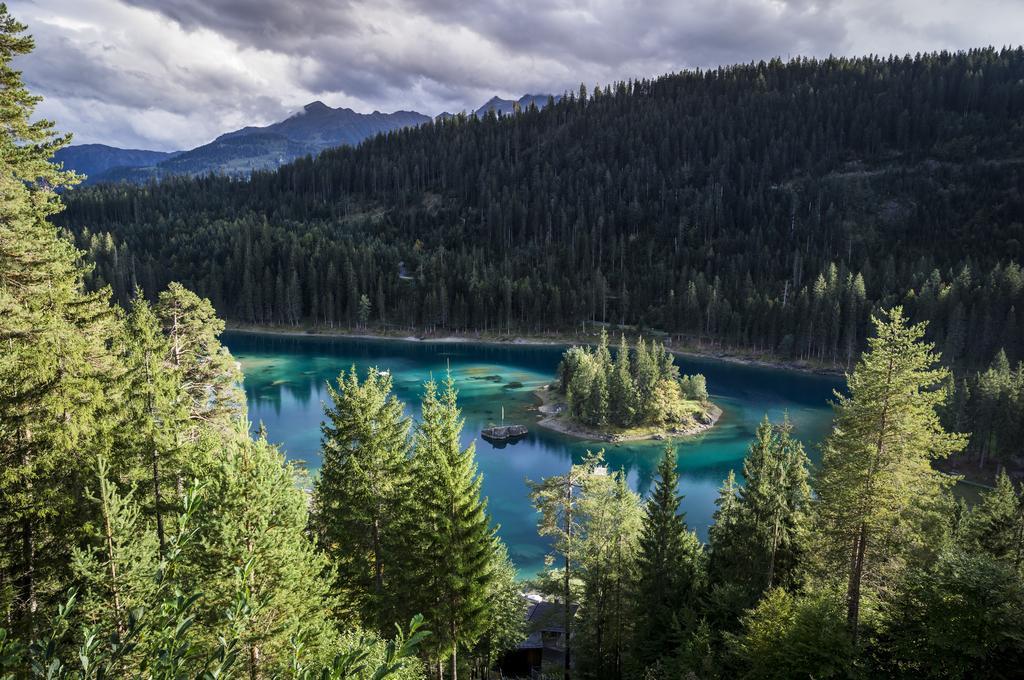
170	74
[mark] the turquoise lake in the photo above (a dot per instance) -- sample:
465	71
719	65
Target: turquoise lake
286	377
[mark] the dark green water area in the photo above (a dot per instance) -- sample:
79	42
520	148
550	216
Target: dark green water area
286	377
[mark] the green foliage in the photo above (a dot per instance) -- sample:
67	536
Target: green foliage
610	517
795	636
961	617
357	499
205	369
670	573
638	388
877	488
995	526
694	387
456	551
54	364
260	520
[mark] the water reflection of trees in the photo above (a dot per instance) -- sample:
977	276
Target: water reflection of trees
299	389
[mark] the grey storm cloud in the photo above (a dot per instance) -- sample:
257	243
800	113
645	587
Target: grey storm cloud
175	73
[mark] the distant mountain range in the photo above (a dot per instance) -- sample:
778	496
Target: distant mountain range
95	160
315	128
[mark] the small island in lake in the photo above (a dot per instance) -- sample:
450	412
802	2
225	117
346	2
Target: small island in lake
638	394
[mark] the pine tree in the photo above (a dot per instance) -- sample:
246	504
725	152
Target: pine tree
610	519
996	525
55	370
457	549
775	501
558	498
116	567
669	572
876	464
621	390
365	307
645	378
725	544
155	416
205	369
596	405
363	477
258	523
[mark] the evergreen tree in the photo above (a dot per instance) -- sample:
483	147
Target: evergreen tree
116	566
669	572
610	519
595	409
957	618
694	387
356	499
794	636
55	370
728	565
645	378
457	549
256	531
621	390
365	307
876	467
995	526
205	369
722	536
775	501
558	498
155	416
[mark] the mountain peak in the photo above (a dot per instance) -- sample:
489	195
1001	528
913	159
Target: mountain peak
316	107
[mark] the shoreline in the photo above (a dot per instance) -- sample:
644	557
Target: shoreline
981	479
550	421
528	340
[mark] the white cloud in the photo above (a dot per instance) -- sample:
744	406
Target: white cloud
176	73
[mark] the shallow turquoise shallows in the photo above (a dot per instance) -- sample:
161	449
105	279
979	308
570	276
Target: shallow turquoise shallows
286	377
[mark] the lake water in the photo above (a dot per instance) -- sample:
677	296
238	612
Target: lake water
286	376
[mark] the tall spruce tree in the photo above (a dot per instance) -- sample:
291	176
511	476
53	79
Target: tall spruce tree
208	374
557	499
54	365
457	549
154	415
610	519
775	502
259	522
725	558
876	476
670	571
996	525
621	390
356	499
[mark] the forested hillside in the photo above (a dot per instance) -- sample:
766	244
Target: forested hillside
145	533
769	207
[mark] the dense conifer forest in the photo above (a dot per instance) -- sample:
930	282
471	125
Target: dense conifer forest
145	533
769	207
637	388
